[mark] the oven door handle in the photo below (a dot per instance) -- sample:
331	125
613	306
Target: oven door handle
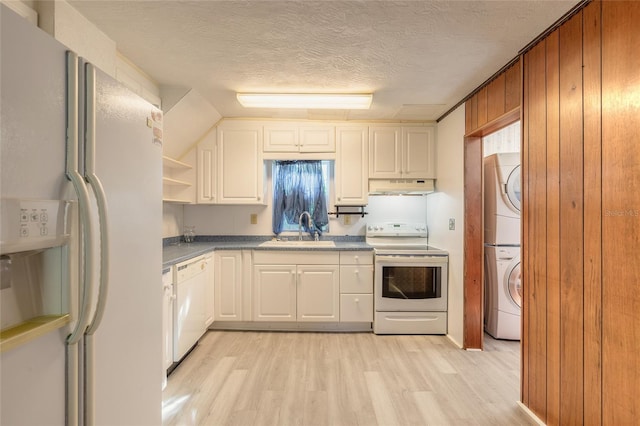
412	259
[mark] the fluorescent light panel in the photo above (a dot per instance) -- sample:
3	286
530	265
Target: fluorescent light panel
305	100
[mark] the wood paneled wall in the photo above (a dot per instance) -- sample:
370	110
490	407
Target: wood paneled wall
494	101
581	220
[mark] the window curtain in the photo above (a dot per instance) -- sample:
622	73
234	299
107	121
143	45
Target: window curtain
299	187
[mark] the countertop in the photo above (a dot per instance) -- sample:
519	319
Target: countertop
175	252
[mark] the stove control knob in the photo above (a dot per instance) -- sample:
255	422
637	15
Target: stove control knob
369	228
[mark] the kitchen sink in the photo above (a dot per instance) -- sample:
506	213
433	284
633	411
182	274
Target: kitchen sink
297	243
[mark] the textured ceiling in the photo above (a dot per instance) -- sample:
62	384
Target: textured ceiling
419	58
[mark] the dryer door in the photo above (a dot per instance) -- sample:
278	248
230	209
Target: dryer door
513	280
513	189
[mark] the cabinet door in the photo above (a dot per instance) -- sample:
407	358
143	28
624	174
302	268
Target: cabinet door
418	152
167	319
318	293
209	294
281	138
227	296
274	293
240	168
385	152
206	153
317	138
352	158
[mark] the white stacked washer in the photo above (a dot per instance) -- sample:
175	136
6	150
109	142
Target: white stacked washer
503	289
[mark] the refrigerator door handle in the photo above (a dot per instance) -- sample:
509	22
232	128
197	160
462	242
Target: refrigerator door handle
101	199
87	264
86	290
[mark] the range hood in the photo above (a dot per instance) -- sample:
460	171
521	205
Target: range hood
401	186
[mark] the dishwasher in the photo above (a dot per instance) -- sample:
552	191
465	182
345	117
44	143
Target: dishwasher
189	307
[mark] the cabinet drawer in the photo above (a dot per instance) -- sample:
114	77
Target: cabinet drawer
356	307
356	279
356	258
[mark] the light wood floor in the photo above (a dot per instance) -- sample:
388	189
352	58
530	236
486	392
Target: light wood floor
278	378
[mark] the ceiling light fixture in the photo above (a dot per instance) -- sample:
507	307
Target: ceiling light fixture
305	100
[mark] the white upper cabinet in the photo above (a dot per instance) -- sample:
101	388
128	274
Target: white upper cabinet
418	157
351	167
281	138
401	152
240	164
385	152
317	138
295	137
206	154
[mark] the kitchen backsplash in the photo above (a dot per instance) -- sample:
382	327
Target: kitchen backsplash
236	220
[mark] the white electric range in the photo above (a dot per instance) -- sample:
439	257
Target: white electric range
410	280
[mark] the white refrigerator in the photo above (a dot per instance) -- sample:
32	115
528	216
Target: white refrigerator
112	376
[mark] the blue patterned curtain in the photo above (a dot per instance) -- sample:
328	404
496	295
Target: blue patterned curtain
298	187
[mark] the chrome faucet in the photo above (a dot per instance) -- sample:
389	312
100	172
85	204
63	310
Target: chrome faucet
300	223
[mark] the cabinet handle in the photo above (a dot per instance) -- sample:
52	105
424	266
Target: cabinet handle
356	300
355	257
339	198
356	272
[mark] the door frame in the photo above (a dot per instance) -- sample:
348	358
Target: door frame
473	322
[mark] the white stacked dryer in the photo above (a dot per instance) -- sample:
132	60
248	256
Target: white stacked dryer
503	288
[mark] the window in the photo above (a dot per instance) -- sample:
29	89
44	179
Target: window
300	186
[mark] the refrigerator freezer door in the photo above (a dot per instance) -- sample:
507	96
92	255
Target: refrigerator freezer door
32	108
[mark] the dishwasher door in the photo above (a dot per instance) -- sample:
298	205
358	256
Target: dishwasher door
189	308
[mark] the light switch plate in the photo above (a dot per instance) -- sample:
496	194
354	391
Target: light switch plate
452	224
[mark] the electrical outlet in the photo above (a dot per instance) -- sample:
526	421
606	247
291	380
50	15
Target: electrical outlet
254	218
347	219
452	224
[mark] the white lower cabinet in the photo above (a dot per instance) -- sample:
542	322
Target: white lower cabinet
356	287
296	286
318	293
274	293
167	322
227	268
209	290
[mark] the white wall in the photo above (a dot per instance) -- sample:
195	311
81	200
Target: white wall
446	203
504	140
172	220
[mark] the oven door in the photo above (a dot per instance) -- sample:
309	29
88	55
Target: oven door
410	283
